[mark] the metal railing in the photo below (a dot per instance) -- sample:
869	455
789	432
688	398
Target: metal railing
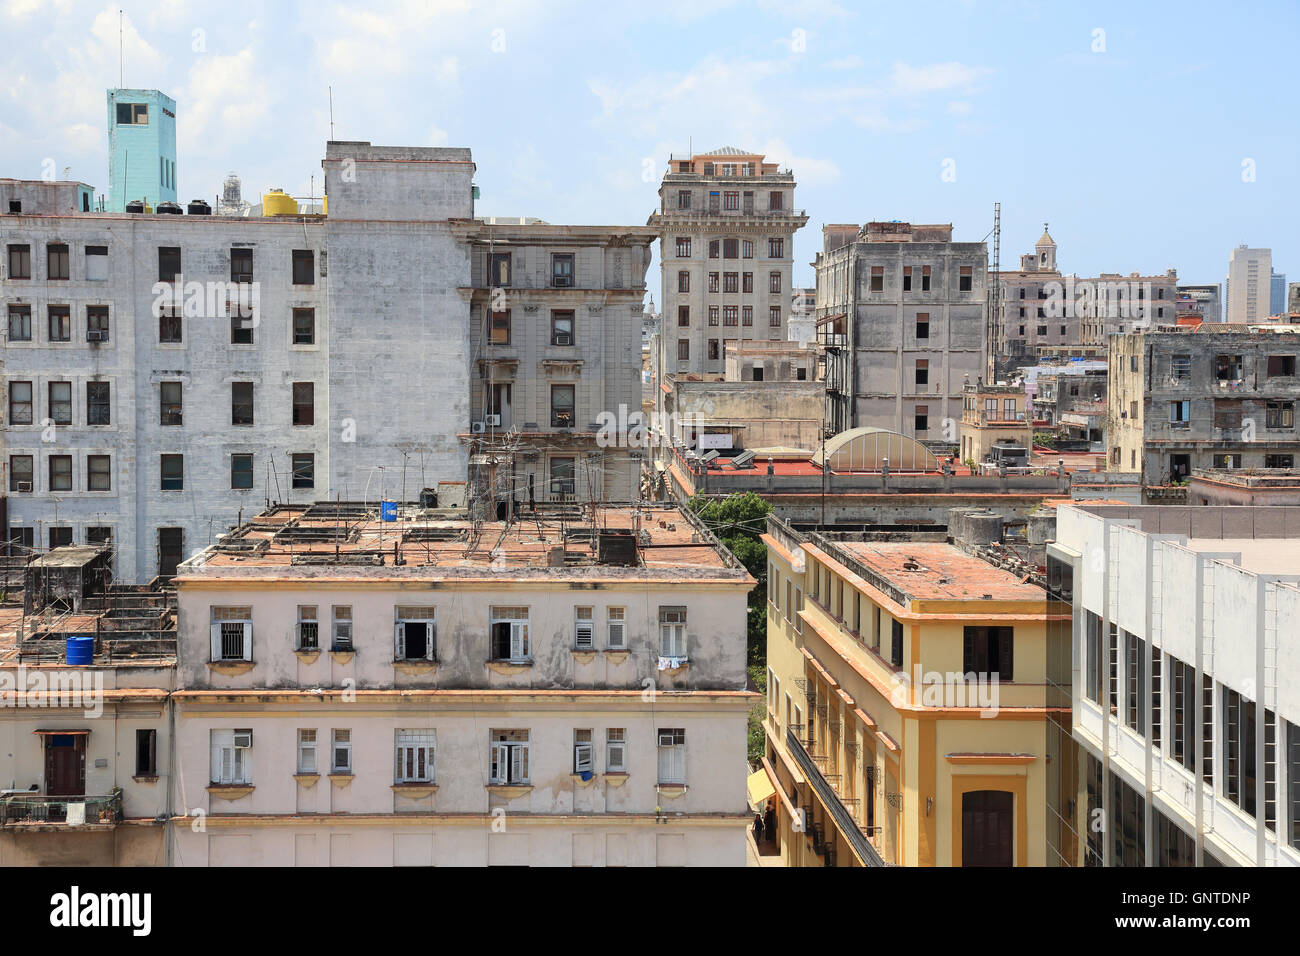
100	810
844	821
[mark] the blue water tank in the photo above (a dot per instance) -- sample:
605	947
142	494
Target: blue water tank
81	650
388	511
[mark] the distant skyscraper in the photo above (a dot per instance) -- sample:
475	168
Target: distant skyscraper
1250	273
141	148
1277	294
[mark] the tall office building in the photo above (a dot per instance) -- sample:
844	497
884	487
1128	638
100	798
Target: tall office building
1277	293
1250	274
141	148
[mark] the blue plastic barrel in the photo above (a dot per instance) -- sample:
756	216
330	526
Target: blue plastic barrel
81	650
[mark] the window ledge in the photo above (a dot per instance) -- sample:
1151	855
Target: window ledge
584	655
510	790
230	791
415	666
616	655
616	778
673	789
308	655
509	667
343	657
342	780
307	779
146	778
415	791
590	781
230	668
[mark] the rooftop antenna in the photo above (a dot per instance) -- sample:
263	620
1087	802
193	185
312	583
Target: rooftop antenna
120	67
331	89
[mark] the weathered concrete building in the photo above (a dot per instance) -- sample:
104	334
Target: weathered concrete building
1206	300
1222	396
995	426
901	318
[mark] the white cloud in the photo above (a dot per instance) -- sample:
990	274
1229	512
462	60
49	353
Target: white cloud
936	78
959	108
808	170
850	62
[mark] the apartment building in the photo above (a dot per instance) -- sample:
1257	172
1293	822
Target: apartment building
1248	287
430	690
726	222
1206	300
1182	683
907	704
555	344
995	424
1221	396
901	318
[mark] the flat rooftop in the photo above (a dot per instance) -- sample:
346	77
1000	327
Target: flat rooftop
929	571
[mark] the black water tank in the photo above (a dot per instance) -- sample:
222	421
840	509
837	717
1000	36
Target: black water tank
135	205
198	207
169	209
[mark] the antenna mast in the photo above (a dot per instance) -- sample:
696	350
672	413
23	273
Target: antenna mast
331	89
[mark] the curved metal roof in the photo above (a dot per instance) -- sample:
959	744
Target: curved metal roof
865	449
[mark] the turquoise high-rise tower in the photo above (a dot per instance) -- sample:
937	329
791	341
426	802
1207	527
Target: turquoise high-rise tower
141	148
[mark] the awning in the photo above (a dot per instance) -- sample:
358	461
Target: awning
760	788
60	733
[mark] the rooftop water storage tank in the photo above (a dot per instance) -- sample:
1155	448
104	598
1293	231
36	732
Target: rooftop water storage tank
198	207
170	209
80	650
276	202
135	205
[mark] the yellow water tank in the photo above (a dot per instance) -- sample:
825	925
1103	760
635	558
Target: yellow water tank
276	202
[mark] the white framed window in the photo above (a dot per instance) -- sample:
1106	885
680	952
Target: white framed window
308	628
341	751
307	751
232	757
584	638
509	757
510	634
415	751
672	755
584	754
616	750
672	632
415	633
617	621
232	633
342	634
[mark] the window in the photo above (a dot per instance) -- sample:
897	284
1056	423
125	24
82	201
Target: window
774	317
241	265
562	270
171	545
562	327
923	325
672	632
714	354
907	278
304	403
232	633
20	323
774	282
730	282
499	327
1227	368
730	315
132	114
96	323
241	403
99	473
922	371
925	278
731	200
100	534
1227	413
1225	461
415	634
988	651
22	472
683	247
584	638
713	315
60	396
616	750
562	477
414	753
169	394
1239	742
747	248
510	634
96	263
241	472
308	629
304	470
1042	329
304	267
1180	413
748	282
921	418
169	326
683	316
672	756
341	752
562	402
683	281
731	248
683	199
616	617
304	326
1279	461
1135	670
169	263
758	373
774	201
146	753
60	323
173	473
776	248
341	635
498	264
509	757
20	262
715	248
60	537
307	752
747	314
896	644
683	350
1281	365
965	277
1279	415
877	278
232	763
583	752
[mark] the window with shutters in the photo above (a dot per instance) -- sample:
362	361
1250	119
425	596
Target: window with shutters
342	633
616	618
307	752
232	633
415	633
415	757
584	638
672	756
308	631
232	752
341	751
584	756
672	632
509	757
616	750
509	626
987	651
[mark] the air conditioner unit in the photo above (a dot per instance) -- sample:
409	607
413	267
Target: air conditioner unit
96	335
243	739
562	282
494	421
563	338
477	428
24	486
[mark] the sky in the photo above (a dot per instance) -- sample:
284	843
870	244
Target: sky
1149	135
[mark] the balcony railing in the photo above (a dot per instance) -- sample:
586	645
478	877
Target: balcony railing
27	809
844	821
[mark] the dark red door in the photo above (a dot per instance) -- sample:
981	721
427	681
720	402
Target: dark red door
65	765
987	817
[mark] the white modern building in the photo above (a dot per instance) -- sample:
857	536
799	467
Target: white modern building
1249	286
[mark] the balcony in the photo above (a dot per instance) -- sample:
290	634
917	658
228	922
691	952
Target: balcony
844	822
39	811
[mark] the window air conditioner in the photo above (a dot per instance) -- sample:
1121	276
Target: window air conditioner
563	338
96	335
24	486
243	739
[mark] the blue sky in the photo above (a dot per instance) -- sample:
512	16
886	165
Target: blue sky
1131	142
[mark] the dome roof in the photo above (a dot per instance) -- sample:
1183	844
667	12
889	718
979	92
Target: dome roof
865	449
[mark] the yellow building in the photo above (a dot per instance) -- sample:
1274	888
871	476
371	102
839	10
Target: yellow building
994	424
907	717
